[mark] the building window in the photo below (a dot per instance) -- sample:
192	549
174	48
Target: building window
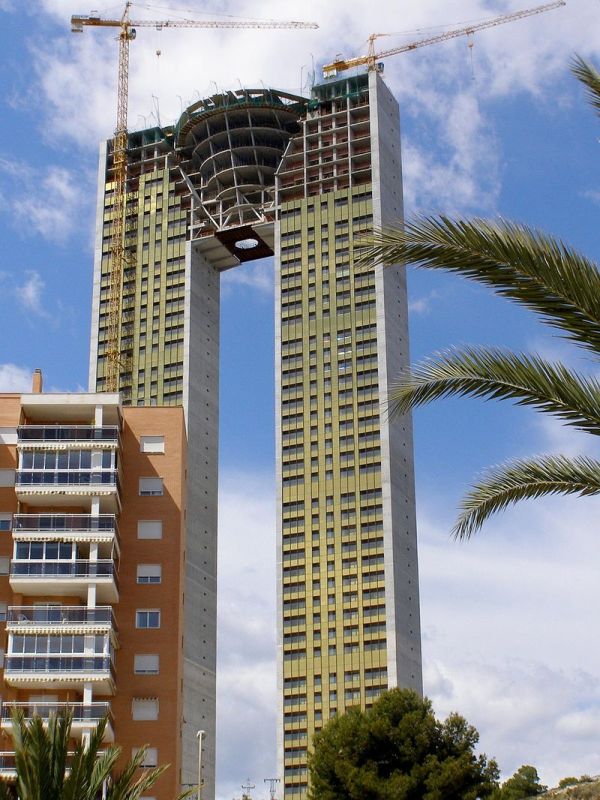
5	522
147	618
151	487
150	757
149	529
3	611
4	566
149	573
146	664
144	709
152	444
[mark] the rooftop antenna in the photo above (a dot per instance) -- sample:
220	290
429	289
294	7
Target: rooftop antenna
248	786
272	784
156	109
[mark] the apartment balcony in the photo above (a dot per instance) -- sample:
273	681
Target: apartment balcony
66	527
69	487
60	671
85	715
61	619
8	767
62	437
65	578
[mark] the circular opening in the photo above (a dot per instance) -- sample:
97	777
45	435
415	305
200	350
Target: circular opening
247	244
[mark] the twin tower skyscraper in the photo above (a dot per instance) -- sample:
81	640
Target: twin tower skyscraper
253	174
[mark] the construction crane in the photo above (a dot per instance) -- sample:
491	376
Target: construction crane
372	58
127	33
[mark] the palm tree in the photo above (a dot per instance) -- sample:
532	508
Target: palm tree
47	771
544	275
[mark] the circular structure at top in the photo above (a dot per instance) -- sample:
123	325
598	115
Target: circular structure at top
234	143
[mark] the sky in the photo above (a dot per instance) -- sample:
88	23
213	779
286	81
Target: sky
501	128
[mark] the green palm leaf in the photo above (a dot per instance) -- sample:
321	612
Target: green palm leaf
493	373
525	479
527	266
590	77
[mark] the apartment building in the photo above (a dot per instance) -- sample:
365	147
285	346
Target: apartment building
92	507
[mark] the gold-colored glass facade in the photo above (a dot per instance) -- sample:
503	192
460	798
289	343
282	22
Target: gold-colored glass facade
151	334
338	570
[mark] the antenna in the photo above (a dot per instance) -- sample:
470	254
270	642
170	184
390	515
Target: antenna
247	785
272	784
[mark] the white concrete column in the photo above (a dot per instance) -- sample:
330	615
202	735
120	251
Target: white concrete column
98	416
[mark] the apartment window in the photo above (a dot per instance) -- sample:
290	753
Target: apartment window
5	522
3	611
149	573
149	529
147	618
146	664
151	487
150	757
152	444
144	709
4	565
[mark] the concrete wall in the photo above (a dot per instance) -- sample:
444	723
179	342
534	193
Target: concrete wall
201	405
400	535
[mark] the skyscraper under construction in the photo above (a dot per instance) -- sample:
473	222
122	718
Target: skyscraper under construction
246	175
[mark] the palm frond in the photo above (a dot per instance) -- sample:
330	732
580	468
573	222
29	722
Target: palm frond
590	77
495	373
525	479
524	265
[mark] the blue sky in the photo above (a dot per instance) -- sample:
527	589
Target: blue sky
509	620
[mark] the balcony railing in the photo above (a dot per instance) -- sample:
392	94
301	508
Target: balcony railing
50	478
65	523
61	615
103	568
81	712
105	434
51	664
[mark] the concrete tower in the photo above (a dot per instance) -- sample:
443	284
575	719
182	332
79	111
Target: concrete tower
246	175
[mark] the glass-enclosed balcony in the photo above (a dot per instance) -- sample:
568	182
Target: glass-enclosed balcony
68	435
54	486
65	577
72	619
85	715
66	527
8	766
63	660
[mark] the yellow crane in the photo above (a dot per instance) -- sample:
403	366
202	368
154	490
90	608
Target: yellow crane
372	58
127	33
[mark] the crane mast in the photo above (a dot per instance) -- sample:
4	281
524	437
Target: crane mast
372	58
127	33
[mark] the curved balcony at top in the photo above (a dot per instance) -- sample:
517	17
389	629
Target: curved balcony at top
64	436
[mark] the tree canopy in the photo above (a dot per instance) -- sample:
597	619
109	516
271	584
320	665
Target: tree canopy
398	750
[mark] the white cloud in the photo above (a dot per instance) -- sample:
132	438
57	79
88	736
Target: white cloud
454	164
422	305
14	378
30	294
257	275
47	201
246	681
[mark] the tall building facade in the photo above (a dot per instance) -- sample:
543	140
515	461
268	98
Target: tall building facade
246	175
92	505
